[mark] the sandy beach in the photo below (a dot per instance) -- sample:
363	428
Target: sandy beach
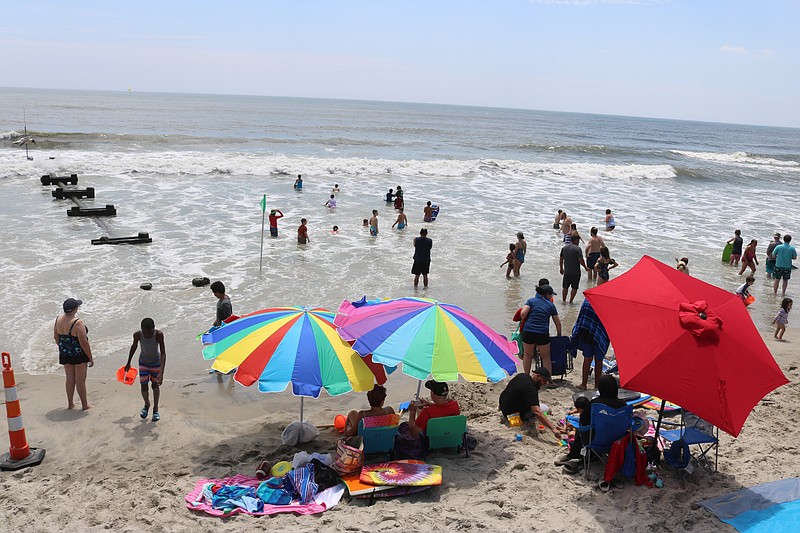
108	469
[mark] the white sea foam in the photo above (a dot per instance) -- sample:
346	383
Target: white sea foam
177	164
742	159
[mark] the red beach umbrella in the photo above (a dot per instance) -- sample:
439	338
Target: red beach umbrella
686	341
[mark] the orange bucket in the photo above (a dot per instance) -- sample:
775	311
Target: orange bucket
339	422
749	300
129	377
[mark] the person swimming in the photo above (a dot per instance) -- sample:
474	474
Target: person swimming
610	224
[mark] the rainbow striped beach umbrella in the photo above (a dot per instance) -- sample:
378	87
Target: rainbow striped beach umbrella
296	345
429	338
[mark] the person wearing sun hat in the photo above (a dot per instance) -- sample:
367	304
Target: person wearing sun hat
74	351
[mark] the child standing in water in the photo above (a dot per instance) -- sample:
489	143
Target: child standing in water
509	260
782	318
402	220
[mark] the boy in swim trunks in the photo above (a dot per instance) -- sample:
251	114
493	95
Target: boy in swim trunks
592	251
736	252
373	224
302	232
274	215
152	360
402	221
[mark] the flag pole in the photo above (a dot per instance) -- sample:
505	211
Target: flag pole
263	215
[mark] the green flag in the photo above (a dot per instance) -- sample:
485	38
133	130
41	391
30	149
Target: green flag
264	204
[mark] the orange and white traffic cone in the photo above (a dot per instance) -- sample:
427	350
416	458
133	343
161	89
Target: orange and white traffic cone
20	455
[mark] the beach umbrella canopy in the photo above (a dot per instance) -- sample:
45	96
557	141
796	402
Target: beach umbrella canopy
689	342
429	338
278	346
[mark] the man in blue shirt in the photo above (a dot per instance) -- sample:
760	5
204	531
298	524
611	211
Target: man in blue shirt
783	254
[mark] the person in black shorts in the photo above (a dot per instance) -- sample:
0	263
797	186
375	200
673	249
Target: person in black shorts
570	262
422	257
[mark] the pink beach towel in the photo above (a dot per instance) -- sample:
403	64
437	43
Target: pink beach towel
321	503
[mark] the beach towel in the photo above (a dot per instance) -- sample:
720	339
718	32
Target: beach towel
771	507
321	502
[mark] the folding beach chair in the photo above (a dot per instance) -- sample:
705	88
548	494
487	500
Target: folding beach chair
447	432
561	363
379	433
607	425
693	431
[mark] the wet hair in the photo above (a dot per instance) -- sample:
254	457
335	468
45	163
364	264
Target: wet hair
390	190
336	228
300	176
750	278
303	221
272	211
375	212
573	226
429	203
520	235
335	184
560	211
593	231
608	211
332	196
754	241
511	247
218	286
365	221
685	260
608	386
582	402
376	396
148	324
543	281
604	253
785	304
737	232
423	232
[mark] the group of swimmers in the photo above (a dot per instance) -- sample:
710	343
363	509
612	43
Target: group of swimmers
394	197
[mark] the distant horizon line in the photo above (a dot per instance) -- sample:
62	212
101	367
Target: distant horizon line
129	90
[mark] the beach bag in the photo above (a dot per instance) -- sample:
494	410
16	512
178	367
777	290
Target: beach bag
324	476
349	455
678	455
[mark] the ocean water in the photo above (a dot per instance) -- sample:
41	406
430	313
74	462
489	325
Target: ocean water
191	170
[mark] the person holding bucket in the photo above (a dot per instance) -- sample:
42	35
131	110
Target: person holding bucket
152	359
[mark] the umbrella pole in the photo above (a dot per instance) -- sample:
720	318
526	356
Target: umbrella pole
301	409
419	387
660	416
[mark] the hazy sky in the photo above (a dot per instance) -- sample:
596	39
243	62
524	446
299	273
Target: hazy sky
713	60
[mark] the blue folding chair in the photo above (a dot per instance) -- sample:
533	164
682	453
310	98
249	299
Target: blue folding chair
693	431
607	425
561	363
379	439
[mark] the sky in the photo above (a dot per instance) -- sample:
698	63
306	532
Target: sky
734	61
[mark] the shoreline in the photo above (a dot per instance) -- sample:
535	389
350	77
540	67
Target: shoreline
107	468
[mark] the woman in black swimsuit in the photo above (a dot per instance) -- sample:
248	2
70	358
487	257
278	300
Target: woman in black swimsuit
74	351
603	265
